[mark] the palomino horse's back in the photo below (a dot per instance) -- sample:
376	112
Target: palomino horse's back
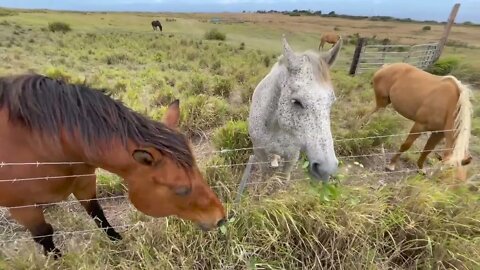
437	104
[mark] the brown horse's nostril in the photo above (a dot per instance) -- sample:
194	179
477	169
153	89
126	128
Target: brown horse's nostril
221	222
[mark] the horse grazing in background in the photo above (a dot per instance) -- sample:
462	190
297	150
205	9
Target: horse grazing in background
48	121
437	104
156	24
331	38
290	113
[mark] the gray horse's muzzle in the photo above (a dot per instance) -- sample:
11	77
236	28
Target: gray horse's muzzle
323	170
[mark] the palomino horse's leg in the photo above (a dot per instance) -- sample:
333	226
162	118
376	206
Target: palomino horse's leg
86	194
414	134
42	232
434	139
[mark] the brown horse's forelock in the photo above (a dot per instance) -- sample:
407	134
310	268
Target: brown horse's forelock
48	106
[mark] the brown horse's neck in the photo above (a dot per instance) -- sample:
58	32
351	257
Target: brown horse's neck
113	156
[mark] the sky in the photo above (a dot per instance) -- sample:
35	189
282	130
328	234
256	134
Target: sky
415	9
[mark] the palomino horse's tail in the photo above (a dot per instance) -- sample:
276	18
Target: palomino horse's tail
462	124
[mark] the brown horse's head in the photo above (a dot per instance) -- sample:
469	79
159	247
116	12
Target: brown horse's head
159	186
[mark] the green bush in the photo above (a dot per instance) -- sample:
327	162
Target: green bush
444	66
214	34
7	12
427	28
60	74
201	113
222	87
59	27
233	135
117	58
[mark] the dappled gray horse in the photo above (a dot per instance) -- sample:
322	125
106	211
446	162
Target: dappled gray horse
290	113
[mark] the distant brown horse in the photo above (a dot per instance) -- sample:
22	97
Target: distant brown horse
439	104
51	122
156	24
331	38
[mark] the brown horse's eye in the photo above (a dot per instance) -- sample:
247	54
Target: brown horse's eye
183	191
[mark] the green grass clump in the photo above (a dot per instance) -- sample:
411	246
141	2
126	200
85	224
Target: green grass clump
215	34
202	113
222	86
444	66
361	141
61	74
233	135
426	28
221	178
59	27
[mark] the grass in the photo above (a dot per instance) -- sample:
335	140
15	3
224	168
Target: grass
410	222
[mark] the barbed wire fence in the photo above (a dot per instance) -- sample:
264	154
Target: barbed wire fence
9	229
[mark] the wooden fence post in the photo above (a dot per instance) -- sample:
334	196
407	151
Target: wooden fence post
446	31
356	56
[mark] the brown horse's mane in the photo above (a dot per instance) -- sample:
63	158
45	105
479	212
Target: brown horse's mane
48	106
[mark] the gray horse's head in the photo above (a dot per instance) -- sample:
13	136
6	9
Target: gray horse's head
304	106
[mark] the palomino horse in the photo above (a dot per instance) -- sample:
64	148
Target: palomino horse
51	122
156	24
290	112
331	38
435	103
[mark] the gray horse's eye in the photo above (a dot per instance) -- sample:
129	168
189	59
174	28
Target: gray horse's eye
297	103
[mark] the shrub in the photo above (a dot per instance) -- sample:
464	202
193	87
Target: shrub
427	28
233	135
116	58
444	66
201	113
60	74
59	27
214	34
222	87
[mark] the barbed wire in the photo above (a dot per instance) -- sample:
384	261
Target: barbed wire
56	234
46	178
365	174
226	150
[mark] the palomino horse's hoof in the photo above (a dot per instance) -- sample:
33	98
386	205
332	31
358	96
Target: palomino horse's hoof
390	168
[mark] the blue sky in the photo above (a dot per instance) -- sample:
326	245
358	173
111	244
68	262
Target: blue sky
415	9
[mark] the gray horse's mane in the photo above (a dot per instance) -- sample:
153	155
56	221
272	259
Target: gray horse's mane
320	67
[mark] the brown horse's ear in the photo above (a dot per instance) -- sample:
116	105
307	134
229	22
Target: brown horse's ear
331	56
172	116
143	157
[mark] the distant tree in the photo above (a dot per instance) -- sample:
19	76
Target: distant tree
331	13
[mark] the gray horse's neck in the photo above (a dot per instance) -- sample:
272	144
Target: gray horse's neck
269	94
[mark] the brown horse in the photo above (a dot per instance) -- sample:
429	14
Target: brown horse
330	38
45	120
437	104
156	24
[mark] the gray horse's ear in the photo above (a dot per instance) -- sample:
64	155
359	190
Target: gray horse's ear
330	57
288	54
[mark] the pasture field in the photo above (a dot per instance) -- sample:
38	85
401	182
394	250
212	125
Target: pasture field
368	219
